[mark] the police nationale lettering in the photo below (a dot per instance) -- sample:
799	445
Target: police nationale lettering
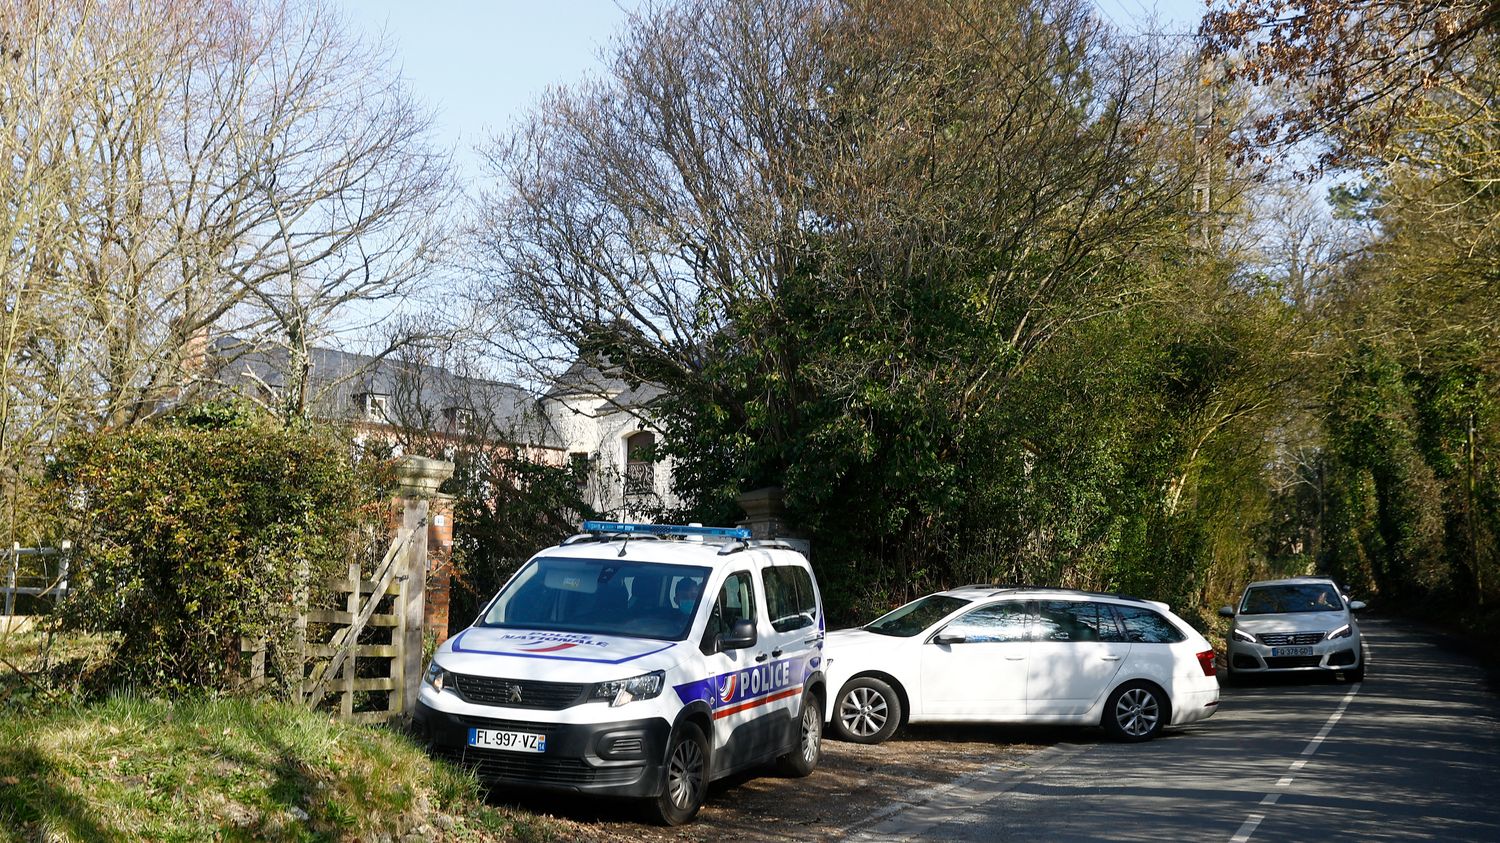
755	686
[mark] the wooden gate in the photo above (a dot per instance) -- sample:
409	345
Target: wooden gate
359	650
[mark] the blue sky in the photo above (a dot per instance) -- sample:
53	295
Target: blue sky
480	63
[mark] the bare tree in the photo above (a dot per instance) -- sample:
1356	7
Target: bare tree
180	171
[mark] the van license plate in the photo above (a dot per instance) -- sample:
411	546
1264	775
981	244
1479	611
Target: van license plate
1291	651
509	741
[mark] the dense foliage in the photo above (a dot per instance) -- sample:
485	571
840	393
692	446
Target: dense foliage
199	530
951	303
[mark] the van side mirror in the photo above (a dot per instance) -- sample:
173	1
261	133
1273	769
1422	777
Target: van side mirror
1356	605
1226	612
948	638
741	634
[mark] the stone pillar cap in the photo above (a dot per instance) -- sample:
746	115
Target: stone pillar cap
421	476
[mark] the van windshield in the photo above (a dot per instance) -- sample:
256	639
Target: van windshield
602	597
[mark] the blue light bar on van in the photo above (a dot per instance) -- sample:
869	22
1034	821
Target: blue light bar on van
618	527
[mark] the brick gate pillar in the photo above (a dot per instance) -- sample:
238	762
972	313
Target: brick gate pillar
417	498
439	565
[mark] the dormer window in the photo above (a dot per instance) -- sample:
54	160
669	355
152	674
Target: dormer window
373	405
460	419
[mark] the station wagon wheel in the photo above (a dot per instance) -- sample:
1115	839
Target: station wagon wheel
1136	711
868	711
685	780
803	758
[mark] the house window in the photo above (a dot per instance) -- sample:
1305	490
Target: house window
640	466
373	405
460	419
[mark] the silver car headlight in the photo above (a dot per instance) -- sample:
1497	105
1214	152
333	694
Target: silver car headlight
1342	632
621	691
435	677
1242	635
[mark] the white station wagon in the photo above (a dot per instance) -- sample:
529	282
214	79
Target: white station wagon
990	654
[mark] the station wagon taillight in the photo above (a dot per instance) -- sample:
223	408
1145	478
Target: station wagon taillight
1206	661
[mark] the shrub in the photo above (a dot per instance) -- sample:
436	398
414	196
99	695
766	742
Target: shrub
199	530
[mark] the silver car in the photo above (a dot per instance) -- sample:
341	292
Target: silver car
1297	624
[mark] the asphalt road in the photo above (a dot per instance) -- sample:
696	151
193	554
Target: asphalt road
1411	753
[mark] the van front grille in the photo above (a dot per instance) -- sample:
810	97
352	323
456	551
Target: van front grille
517	693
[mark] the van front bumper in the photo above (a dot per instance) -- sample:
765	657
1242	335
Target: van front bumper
614	759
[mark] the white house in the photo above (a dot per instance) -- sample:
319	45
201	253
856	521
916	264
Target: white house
594	422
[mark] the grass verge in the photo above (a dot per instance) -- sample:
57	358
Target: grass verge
135	769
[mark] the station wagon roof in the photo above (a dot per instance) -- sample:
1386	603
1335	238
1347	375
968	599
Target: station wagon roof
985	591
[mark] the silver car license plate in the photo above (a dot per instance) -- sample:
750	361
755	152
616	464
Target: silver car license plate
1291	651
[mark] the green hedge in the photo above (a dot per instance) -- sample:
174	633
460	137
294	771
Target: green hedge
196	531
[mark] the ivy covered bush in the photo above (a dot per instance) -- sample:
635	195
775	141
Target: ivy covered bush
198	530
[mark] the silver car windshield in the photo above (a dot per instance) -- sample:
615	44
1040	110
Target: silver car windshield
916	616
601	597
1287	598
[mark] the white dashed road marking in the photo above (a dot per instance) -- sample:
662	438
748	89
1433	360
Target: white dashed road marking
1253	821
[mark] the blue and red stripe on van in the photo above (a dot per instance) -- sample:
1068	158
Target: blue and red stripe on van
747	688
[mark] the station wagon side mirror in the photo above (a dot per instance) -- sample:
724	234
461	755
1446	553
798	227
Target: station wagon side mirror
1356	605
948	638
741	634
1226	612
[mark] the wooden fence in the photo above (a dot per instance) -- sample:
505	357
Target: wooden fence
359	650
37	578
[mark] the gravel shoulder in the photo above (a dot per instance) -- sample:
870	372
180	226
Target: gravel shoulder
853	784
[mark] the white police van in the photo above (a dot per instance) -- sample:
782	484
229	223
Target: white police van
636	660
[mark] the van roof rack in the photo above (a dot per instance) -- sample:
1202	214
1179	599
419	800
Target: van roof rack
746	544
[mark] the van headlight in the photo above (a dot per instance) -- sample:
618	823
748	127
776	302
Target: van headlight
1342	632
435	677
1242	635
621	691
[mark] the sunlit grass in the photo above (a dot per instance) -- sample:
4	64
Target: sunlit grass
133	769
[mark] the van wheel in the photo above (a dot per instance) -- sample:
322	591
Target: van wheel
1135	712
685	781
868	711
803	759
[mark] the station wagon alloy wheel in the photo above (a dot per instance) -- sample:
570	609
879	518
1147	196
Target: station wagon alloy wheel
1137	712
868	711
1134	712
864	712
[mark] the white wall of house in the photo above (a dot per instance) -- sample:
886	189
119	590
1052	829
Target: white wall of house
594	427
